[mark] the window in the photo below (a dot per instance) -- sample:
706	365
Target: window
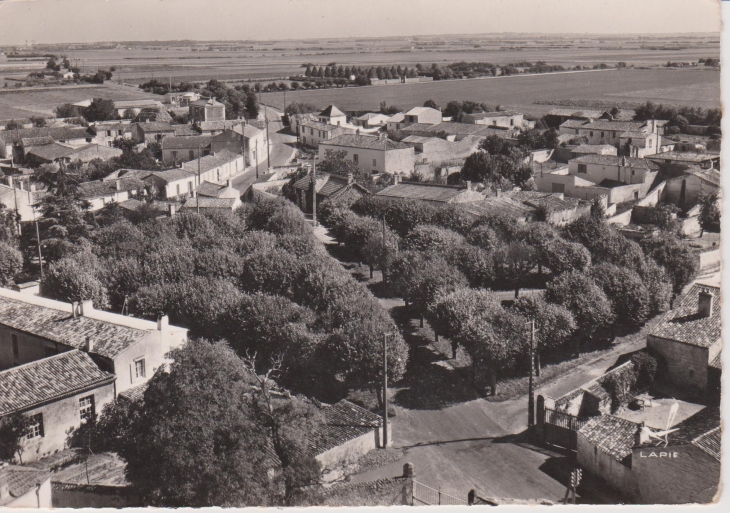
14	343
139	371
174	155
191	154
603	134
108	133
582	168
636	195
355	158
86	407
374	163
511	122
591	133
35	427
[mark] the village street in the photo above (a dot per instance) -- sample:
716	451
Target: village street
458	441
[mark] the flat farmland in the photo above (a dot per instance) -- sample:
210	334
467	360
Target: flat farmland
692	87
40	102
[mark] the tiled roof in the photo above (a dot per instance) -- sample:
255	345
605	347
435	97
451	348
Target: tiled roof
613	435
342	422
100	188
397	117
710	442
134	204
51	152
593	148
331	111
207	102
498	206
21	480
327	184
173	175
550	200
222	124
326	127
683	324
184	131
36	141
711	176
135	393
49	379
574	123
416	111
577	113
458	128
210	189
205	202
109	339
422	191
615	126
90	152
154	126
495	114
57	134
211	161
370	142
685	156
185	142
103	126
613	160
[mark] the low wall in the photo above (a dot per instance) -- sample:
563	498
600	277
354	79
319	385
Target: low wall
654	196
710	259
623	219
71	495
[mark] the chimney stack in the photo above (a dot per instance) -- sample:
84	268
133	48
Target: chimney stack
350	178
163	323
468	185
75	309
705	302
10	182
4	482
229	183
642	435
171	209
89	345
32	187
118	184
87	307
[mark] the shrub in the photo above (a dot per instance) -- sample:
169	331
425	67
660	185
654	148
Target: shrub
646	367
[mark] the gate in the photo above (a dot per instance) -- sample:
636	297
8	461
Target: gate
561	428
432	497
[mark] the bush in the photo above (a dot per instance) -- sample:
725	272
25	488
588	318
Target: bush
76	278
646	367
11	263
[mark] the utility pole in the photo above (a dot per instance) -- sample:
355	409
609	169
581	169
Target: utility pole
531	387
40	256
314	190
197	198
256	157
385	390
268	143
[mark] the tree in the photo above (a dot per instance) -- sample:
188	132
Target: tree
561	256
38	122
100	110
432	104
11	263
199	438
336	163
76	278
514	262
252	104
379	251
709	213
586	301
13	431
13	125
677	259
453	110
629	296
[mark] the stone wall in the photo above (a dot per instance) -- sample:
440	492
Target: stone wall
599	463
686	364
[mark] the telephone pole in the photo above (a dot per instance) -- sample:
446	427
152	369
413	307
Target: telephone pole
531	387
385	390
197	198
314	190
256	157
268	143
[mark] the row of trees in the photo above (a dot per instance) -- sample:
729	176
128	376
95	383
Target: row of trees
598	282
679	116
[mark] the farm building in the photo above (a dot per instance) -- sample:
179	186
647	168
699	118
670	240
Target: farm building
424	115
504	119
100	193
151	132
206	109
686	190
332	116
702	160
430	192
312	133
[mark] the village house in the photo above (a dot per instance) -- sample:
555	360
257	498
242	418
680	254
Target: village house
207	204
206	109
244	138
33	328
100	193
328	187
424	115
183	149
453	131
57	393
295	120
631	138
219	126
332	116
681	467
396	122
436	152
15	143
180	99
131	108
688	338
687	189
216	190
61	153
558	116
505	119
15	196
430	192
619	179
25	487
593	149
108	132
312	133
371	120
217	167
374	154
687	158
151	132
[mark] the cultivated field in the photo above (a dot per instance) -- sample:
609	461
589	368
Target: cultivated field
694	87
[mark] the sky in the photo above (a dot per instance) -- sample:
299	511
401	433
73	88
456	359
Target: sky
66	21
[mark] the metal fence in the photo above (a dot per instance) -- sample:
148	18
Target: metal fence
426	495
564	420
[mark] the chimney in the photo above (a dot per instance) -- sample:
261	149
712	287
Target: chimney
75	309
396	179
4	482
163	323
350	178
89	345
498	193
32	187
229	183
118	185
468	185
171	209
20	183
87	307
10	182
704	303
642	435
